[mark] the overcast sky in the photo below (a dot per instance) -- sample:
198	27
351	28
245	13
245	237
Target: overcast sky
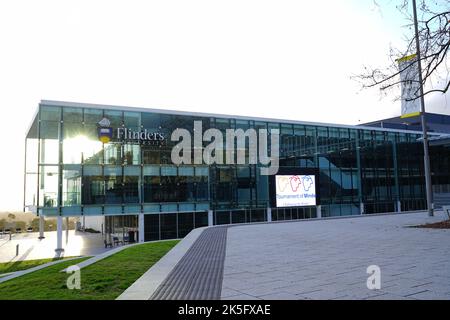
278	59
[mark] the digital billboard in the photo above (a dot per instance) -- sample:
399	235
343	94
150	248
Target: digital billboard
295	190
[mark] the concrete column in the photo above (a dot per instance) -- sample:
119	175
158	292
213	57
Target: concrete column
210	218
141	227
361	208
41	226
319	211
59	227
67	229
269	214
399	206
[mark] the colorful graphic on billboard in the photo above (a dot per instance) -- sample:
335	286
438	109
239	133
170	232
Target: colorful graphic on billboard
295	190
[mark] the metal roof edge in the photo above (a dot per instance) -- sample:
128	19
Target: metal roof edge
216	115
35	114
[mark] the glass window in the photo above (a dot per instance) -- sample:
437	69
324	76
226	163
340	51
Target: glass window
31	186
92	116
224	184
93	185
32	155
152	188
92	148
151	121
113	171
73	142
150	155
48	113
262	186
115	117
201	171
185	189
244	185
168	171
71	185
238	216
48	186
113	184
258	215
132	120
132	177
186	207
201	219
186	171
168	226
202	188
151	170
131	154
185	223
151	223
49	142
222	217
169	191
113	153
242	124
72	115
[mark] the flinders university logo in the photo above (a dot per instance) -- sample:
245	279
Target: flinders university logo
105	132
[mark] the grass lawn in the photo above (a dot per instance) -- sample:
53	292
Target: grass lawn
104	280
23	265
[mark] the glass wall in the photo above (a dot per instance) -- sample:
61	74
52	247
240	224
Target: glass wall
31	167
68	166
172	225
71	185
93	191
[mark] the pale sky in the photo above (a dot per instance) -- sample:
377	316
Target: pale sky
277	59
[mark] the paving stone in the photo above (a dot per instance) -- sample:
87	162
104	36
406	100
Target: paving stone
328	259
430	295
230	293
241	297
279	296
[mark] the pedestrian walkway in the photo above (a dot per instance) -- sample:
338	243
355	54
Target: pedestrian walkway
198	275
305	259
13	275
31	247
328	259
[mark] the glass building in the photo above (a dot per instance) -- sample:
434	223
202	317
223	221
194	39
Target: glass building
79	163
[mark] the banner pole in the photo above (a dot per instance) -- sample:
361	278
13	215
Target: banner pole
427	168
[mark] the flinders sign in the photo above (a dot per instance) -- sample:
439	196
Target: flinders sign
124	134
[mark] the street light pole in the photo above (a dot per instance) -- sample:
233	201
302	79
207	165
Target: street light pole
427	167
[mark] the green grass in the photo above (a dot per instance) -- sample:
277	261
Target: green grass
23	265
104	280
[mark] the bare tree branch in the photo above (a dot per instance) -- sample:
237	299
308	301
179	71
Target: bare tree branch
434	38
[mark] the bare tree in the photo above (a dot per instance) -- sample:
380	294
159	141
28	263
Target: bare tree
434	38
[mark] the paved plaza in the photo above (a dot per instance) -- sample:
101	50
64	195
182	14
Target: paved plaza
305	259
30	247
328	259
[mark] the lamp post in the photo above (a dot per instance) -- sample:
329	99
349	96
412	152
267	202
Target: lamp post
427	167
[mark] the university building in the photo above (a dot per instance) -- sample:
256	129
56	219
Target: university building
113	165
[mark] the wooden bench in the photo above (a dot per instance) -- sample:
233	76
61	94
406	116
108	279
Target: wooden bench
446	210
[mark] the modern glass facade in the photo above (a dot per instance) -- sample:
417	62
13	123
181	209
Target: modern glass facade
70	172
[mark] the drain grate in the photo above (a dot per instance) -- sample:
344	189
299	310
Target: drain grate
199	274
